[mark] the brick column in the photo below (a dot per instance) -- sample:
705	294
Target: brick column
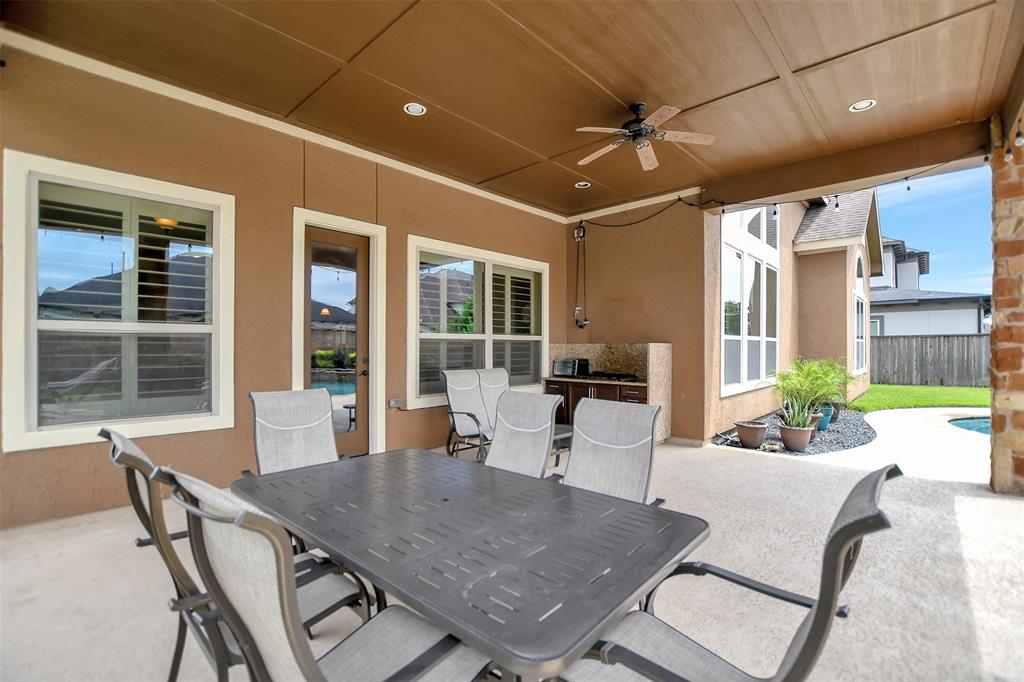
1007	369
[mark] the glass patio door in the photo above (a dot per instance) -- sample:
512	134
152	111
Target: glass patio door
337	330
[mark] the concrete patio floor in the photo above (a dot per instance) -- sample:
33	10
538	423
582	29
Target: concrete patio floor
923	443
938	597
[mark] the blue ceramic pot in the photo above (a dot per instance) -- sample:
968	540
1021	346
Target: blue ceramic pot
826	411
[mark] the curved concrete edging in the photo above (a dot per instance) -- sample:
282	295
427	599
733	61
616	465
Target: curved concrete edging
921	440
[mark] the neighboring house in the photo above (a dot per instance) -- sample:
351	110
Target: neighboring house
901	308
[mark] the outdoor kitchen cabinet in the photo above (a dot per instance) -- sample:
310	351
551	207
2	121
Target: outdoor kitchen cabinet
574	390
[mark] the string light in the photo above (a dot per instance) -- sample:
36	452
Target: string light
1008	154
837	202
1018	141
985	160
907	180
775	210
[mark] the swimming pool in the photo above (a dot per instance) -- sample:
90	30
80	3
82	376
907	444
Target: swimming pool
979	424
336	387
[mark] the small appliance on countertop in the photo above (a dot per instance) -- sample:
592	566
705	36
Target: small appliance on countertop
571	367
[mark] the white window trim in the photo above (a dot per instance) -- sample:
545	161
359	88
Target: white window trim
376	304
859	298
413	400
22	172
749	246
860	295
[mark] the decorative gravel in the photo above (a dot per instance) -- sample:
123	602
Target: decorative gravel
849	432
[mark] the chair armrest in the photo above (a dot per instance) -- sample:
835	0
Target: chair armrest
658	501
190	603
700	568
148	542
479	430
315	573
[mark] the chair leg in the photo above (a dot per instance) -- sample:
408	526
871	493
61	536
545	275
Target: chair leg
448	443
179	647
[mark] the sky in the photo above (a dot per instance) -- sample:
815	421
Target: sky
949	215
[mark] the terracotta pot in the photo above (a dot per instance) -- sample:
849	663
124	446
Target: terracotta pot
815	419
795	439
751	433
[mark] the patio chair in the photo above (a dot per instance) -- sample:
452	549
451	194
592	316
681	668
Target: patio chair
493	385
643	647
244	558
194	608
612	448
293	429
524	433
467	413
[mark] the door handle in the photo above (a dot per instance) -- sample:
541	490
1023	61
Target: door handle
365	373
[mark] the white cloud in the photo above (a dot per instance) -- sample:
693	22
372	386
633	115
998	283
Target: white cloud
948	186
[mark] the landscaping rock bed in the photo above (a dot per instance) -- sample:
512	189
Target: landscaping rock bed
849	432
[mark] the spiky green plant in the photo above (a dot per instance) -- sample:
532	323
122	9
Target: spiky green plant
806	386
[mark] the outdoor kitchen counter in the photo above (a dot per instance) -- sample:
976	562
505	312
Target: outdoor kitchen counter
587	380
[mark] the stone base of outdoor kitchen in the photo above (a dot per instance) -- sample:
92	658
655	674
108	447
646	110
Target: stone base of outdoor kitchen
850	431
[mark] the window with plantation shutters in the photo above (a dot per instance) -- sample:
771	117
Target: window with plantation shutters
118	304
123	305
473	310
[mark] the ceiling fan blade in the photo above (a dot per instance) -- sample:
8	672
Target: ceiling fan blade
610	131
661	115
646	153
600	152
680	136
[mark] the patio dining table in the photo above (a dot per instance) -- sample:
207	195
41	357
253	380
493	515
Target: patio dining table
527	571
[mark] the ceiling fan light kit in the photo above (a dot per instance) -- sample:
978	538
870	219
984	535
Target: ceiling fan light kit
640	131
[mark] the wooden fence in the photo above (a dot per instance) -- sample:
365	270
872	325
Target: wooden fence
948	360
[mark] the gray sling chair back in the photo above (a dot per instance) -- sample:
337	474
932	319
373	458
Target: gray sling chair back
472	397
195	609
244	558
524	433
612	448
643	647
293	429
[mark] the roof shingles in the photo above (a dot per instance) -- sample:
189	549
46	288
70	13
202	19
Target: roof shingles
825	222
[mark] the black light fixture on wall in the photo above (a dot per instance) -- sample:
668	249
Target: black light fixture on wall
580	310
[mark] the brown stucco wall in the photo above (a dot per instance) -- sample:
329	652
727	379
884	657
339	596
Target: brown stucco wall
56	111
646	283
827	281
720	413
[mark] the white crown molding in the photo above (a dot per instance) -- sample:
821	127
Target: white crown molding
41	48
96	67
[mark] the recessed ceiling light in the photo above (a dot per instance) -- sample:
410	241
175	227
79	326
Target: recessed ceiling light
414	109
582	184
862	105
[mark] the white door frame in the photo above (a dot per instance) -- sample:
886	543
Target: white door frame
301	218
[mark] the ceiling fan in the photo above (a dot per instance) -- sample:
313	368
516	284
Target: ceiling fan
640	131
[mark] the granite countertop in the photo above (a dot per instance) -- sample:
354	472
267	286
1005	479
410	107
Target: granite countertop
585	380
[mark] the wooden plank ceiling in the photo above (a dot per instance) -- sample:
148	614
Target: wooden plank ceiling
506	82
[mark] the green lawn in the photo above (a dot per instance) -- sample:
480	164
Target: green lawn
886	397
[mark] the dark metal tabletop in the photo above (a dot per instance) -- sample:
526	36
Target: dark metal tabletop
527	571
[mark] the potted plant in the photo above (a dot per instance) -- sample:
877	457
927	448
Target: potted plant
751	433
804	387
841	378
